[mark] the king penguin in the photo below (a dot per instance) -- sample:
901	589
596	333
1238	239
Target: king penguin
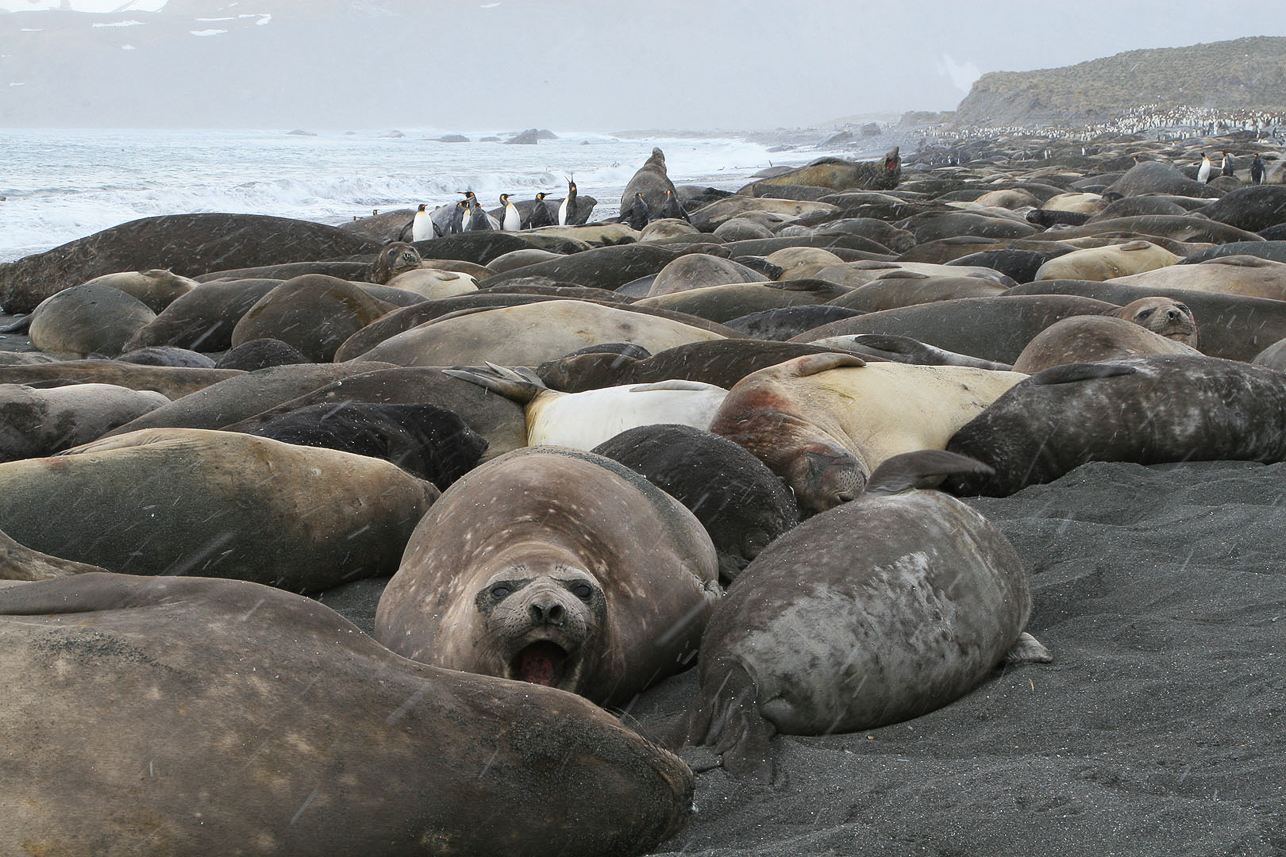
1203	172
457	217
422	227
1257	170
478	221
672	208
540	213
567	209
637	215
512	220
1225	169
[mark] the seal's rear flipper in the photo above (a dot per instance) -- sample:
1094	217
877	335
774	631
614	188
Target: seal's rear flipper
521	384
924	468
729	722
1072	372
1028	650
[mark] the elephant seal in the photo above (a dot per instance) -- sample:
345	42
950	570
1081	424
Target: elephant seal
875	612
528	335
699	270
313	313
22	563
1249	276
652	180
723	303
1094	339
168	355
555	567
204	717
397	257
1106	263
742	505
584	420
204	318
904	349
215	503
85	320
260	354
157	288
1163	316
838	175
1148	410
42	422
824	422
173	382
424	440
783	323
906	288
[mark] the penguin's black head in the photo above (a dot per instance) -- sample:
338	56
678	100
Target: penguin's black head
421	208
504	199
541	195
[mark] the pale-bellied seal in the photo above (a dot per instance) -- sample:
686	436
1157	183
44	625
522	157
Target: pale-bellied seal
215	503
314	313
1106	263
424	440
586	419
165	716
1249	276
1147	410
528	335
556	567
740	502
878	611
1094	339
824	422
41	422
434	283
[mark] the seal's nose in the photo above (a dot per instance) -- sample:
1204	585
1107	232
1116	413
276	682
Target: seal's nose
546	612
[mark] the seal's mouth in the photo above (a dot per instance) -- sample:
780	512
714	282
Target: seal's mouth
542	662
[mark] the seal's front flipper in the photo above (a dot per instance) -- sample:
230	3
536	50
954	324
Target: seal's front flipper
728	721
1028	650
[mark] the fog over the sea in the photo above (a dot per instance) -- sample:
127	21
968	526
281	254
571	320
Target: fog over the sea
576	64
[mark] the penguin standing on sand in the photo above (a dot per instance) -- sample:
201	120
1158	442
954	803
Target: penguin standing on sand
1203	172
672	208
512	220
1225	169
567	208
457	217
637	215
540	213
1257	170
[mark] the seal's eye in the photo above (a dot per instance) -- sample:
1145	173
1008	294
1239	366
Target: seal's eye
500	591
1183	309
1146	313
582	591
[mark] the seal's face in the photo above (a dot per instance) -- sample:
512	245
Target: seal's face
823	478
1164	317
541	623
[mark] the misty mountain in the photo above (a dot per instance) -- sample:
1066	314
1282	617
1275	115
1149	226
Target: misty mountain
1242	73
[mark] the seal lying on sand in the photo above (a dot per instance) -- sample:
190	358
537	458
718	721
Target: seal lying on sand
202	717
872	613
556	567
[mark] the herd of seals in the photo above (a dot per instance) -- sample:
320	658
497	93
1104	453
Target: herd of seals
568	462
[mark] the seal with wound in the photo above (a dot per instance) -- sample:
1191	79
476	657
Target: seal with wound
875	612
556	567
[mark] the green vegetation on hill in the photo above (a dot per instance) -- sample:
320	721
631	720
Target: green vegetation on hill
1241	74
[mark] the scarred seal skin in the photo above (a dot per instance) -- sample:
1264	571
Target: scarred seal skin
153	717
557	567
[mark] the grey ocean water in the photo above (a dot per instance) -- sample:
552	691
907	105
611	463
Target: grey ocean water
59	185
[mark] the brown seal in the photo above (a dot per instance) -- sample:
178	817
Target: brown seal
203	717
799	417
555	567
1163	316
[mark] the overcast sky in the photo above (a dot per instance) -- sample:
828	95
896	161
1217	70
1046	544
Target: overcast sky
608	64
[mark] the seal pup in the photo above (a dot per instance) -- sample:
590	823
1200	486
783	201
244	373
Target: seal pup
165	716
875	612
556	567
